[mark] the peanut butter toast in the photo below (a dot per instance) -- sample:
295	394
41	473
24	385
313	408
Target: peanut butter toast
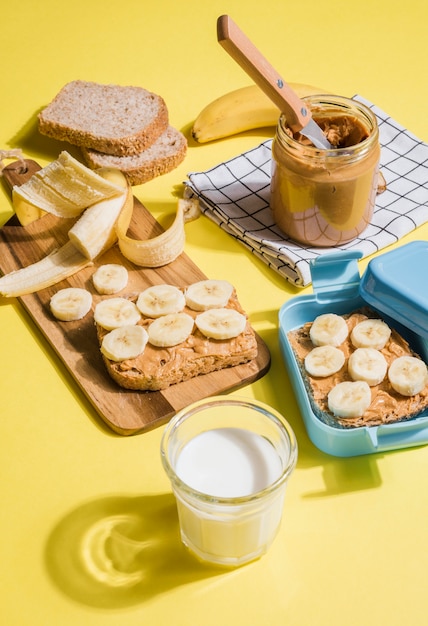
390	398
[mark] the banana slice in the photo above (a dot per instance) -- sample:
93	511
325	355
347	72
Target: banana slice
110	278
70	304
324	361
367	364
370	334
208	294
349	399
115	312
160	300
221	323
328	329
408	375
170	330
125	342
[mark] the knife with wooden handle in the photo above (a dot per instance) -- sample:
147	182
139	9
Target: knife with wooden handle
243	51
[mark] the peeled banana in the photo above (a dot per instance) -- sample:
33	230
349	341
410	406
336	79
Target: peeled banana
95	231
103	202
241	110
48	271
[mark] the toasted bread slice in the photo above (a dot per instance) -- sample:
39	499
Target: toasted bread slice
158	368
164	155
387	405
109	118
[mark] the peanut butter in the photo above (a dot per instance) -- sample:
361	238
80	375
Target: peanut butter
342	131
158	368
326	197
387	405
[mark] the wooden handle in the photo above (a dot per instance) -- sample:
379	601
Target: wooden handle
243	51
18	172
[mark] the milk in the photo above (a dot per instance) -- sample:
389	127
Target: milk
228	461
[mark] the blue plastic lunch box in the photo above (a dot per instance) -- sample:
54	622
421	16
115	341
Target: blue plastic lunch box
396	285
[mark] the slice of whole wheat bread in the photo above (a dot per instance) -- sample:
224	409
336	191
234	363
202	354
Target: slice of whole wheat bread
164	155
113	119
158	368
387	406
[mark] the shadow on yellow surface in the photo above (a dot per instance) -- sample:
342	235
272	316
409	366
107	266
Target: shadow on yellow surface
121	551
32	142
348	475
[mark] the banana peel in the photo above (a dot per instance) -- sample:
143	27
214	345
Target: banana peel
154	252
91	238
50	270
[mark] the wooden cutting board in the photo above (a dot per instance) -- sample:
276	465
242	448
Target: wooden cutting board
126	412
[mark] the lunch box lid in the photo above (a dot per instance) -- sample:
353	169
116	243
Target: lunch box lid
396	284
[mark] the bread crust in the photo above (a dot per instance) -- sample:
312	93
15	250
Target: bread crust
164	155
158	368
113	119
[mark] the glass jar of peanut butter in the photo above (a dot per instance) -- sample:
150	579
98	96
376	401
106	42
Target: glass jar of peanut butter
325	198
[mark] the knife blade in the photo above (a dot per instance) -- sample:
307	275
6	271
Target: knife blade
314	133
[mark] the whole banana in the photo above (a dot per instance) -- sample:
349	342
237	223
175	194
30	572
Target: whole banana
240	110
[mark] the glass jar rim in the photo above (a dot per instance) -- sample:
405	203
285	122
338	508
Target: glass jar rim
344	104
196	407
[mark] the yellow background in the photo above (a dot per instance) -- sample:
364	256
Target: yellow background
353	544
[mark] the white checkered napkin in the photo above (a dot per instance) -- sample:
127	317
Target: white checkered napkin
235	195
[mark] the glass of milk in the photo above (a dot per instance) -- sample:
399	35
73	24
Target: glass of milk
228	460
